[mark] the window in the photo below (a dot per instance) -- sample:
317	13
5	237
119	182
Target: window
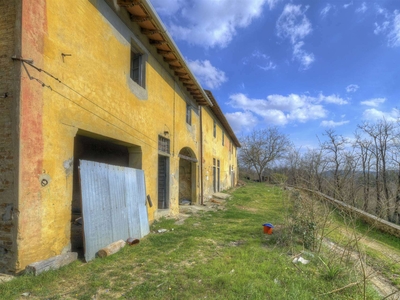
215	129
216	175
188	114
223	138
163	144
137	68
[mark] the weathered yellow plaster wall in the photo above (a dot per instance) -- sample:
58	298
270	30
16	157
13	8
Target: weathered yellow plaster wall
89	90
213	148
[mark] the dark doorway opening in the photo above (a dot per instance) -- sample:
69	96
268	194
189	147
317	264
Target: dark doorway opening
187	176
163	199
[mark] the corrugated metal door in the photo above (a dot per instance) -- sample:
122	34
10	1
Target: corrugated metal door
113	205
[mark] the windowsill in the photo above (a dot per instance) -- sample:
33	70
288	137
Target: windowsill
136	89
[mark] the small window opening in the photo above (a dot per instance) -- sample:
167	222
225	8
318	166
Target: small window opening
188	114
137	70
215	129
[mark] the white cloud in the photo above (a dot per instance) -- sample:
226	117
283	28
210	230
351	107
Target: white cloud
208	75
351	88
261	60
390	27
241	120
272	3
362	9
280	110
348	4
394	34
373	114
332	124
375	102
172	8
304	58
293	23
380	10
333	99
295	26
268	66
326	10
211	23
381	28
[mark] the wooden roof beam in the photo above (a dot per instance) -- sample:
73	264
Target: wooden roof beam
164	52
149	32
170	60
176	68
139	19
181	74
157	42
128	3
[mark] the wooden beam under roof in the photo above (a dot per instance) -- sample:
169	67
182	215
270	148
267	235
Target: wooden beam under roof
157	42
179	74
176	68
128	3
139	19
170	60
164	52
187	85
149	32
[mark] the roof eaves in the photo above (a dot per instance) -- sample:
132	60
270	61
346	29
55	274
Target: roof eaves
221	117
165	46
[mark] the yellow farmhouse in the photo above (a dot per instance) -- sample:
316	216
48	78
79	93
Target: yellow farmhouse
99	81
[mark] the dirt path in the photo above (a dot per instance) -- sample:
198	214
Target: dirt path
385	288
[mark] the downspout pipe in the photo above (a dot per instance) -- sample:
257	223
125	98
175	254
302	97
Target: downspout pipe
201	156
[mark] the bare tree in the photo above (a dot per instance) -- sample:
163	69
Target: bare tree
364	150
382	135
313	165
262	147
334	148
396	161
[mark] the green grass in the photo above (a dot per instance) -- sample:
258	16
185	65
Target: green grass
213	255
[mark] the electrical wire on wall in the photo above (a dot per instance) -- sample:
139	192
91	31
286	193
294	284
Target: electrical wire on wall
44	85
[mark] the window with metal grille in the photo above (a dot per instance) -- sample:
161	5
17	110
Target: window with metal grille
163	144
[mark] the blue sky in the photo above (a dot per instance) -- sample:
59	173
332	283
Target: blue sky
302	65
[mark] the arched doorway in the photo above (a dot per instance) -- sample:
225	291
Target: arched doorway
187	176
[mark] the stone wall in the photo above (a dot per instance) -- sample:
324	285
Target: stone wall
7	134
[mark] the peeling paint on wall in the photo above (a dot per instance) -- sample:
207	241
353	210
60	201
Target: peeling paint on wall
69	166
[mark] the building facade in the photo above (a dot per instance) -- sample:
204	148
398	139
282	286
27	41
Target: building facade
102	81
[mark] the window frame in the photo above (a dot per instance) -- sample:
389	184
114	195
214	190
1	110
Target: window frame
139	58
215	129
188	114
